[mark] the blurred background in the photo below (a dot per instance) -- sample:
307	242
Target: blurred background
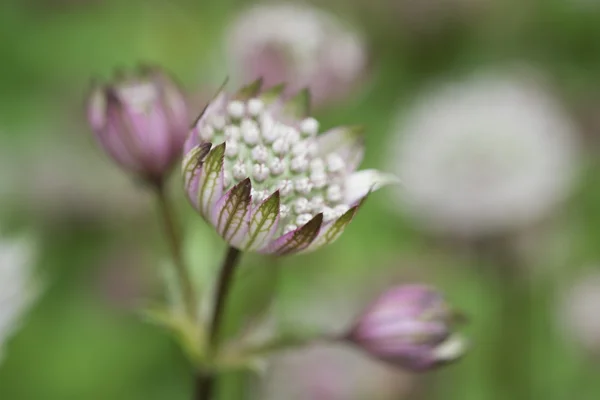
508	228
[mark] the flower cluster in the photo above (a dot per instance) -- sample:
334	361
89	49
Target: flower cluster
258	170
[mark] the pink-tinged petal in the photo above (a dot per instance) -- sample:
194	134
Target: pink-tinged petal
296	241
249	91
96	108
118	137
332	231
192	141
191	170
347	141
210	187
174	103
264	223
231	214
273	94
360	183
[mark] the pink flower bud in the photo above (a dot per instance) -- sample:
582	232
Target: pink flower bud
141	121
409	326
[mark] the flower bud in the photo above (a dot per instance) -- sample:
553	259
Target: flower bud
409	326
141	121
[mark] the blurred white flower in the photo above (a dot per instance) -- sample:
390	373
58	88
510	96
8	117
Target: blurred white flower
483	156
332	372
17	288
299	45
579	312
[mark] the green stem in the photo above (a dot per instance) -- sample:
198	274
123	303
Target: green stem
172	235
205	381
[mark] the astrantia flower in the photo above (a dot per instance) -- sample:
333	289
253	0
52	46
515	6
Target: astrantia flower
17	290
297	44
257	169
409	326
141	121
579	312
484	156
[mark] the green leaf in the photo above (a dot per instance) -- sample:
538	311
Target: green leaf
298	107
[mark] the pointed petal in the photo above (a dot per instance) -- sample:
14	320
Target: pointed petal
331	232
210	187
347	141
215	106
272	94
298	107
231	214
360	183
249	91
191	169
263	224
297	240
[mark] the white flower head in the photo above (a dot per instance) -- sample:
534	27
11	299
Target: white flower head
485	155
579	312
297	44
17	290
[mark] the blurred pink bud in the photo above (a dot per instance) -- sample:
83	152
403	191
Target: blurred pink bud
141	121
409	326
300	45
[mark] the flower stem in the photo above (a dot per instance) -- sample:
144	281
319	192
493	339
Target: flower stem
205	381
172	235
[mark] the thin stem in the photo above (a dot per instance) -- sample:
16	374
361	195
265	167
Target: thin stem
205	381
172	235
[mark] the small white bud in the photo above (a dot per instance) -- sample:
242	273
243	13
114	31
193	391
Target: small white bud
303	186
317	164
301	205
334	193
231	148
277	166
268	128
328	214
260	154
318	179
286	187
259	196
317	203
255	107
309	127
284	211
251	134
281	147
303	219
218	121
206	133
289	228
232	132
300	148
292	135
236	109
260	172
335	163
239	171
298	164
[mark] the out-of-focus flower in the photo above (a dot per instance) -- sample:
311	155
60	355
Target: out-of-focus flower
332	372
409	326
484	156
579	312
256	169
17	288
141	121
300	45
